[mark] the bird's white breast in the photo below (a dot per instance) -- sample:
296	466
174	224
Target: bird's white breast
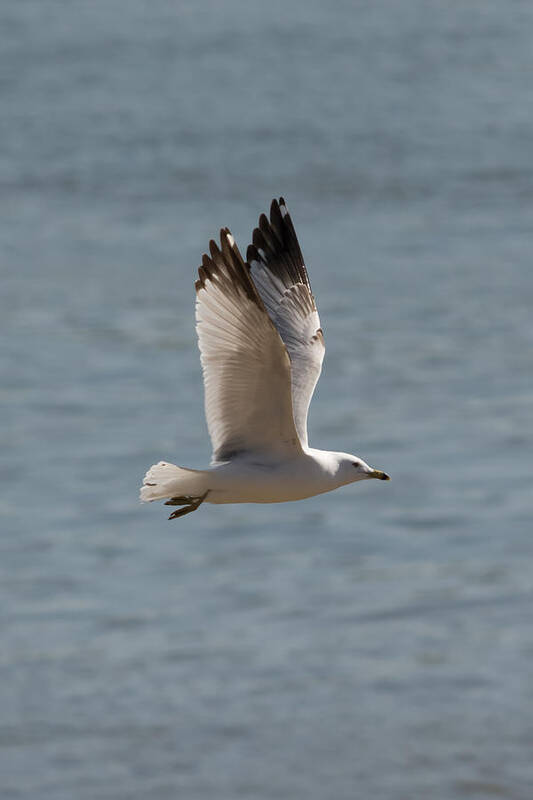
249	481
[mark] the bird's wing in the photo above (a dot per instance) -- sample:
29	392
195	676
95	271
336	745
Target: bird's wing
278	271
246	368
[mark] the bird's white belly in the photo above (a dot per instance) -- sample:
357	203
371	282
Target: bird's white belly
248	483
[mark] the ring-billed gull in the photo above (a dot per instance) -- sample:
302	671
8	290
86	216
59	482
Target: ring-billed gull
261	348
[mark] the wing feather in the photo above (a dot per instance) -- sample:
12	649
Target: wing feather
279	274
246	367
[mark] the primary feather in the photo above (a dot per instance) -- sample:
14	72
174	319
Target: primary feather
278	271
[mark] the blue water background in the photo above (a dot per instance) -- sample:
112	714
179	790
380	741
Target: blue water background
372	643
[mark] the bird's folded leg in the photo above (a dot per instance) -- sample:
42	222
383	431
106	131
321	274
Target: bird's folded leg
185	500
190	503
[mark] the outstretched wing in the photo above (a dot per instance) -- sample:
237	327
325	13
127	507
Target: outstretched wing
246	368
278	271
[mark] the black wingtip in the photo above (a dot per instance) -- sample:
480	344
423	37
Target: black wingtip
225	265
278	246
226	235
263	222
252	254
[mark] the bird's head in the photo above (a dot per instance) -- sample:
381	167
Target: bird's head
352	468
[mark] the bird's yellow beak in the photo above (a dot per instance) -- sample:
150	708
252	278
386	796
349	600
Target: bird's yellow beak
377	473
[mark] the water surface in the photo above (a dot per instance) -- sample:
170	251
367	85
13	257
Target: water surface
375	642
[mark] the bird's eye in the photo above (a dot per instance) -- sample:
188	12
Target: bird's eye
355	464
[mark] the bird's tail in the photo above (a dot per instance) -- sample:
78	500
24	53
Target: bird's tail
167	480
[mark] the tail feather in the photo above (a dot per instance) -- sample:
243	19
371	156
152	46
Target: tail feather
167	480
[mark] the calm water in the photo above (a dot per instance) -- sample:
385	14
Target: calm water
373	643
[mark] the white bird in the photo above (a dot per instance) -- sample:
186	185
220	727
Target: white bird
261	348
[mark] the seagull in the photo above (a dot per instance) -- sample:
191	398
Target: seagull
261	349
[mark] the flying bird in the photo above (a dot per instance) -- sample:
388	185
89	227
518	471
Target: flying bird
261	349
